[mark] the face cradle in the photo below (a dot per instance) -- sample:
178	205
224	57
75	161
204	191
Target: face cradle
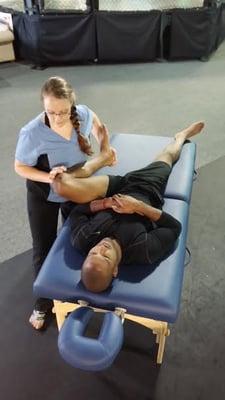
57	110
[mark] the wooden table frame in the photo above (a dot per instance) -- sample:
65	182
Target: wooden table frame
159	328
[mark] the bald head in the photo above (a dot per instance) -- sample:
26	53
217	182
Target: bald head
95	276
101	265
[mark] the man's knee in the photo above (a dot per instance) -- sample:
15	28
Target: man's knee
166	157
68	187
58	185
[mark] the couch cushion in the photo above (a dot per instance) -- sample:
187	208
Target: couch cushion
6	37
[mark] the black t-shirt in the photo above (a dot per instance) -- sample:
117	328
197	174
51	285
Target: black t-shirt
141	240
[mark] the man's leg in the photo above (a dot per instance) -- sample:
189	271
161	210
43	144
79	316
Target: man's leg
171	153
81	190
78	186
154	176
106	157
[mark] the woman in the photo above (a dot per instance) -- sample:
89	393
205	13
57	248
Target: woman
55	141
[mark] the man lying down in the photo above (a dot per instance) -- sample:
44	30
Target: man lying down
126	225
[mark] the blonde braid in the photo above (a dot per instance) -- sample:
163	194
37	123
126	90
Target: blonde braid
61	89
82	140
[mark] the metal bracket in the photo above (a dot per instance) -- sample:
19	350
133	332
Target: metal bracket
120	312
82	303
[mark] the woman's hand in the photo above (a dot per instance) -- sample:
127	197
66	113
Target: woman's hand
55	171
124	204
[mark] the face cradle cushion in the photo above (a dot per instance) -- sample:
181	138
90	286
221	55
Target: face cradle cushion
87	353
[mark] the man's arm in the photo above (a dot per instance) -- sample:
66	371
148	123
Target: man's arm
101	204
85	230
79	218
162	238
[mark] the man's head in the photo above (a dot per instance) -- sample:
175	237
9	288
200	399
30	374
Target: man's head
101	265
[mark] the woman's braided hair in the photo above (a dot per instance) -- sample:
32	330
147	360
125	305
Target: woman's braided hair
61	89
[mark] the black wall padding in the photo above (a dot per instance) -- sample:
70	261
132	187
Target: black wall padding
221	25
56	39
193	33
118	36
127	36
27	37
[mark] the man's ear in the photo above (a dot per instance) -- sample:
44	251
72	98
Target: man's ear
115	271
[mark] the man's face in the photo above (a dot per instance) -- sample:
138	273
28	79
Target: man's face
105	255
101	265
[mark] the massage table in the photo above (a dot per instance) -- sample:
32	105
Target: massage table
148	295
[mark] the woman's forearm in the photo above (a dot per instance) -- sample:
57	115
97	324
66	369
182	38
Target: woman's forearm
32	173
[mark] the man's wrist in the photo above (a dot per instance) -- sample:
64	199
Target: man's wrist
100	204
147	210
97	205
139	208
107	202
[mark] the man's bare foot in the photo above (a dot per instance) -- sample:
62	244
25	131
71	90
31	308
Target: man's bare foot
104	138
37	319
110	157
109	153
190	131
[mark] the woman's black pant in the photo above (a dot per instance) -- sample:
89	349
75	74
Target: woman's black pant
43	219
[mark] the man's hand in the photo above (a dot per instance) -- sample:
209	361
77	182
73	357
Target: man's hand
55	171
124	204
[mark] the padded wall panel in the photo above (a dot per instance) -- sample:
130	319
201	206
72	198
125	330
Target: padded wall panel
127	36
67	38
221	24
27	37
193	33
55	39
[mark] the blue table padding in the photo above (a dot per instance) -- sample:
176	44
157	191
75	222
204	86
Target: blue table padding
136	151
152	292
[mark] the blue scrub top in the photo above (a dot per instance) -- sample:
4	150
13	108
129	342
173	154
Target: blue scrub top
37	139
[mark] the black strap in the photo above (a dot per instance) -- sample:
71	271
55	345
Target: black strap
195	175
187	257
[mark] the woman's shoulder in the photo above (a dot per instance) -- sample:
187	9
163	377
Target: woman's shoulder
32	126
83	111
85	116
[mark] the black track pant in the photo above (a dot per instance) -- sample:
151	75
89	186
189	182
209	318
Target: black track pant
43	219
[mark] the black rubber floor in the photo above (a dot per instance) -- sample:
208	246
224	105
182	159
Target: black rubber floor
194	360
